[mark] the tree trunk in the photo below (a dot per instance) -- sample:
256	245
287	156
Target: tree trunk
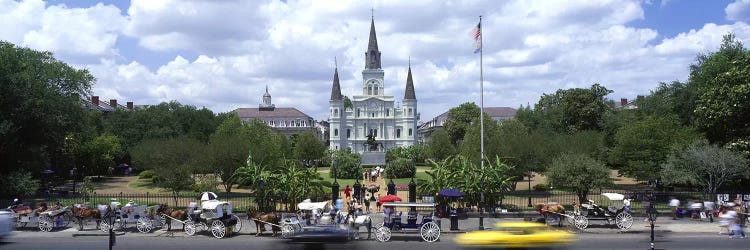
582	196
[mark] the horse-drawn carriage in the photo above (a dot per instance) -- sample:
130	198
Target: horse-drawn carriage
213	215
143	217
427	228
46	218
613	214
308	213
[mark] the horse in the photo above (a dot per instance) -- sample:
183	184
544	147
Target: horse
555	209
86	213
261	219
172	213
357	221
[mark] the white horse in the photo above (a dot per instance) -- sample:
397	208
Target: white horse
357	221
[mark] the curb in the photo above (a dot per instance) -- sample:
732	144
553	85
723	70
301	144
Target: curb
99	234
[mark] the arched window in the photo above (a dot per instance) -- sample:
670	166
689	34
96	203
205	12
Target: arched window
336	132
369	89
375	90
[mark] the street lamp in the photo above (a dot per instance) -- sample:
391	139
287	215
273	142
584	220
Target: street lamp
652	214
335	185
111	219
481	204
529	173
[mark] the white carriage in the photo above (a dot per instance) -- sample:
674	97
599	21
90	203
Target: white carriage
308	213
46	220
613	214
426	227
215	216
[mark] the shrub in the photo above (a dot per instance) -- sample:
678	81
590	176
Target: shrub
146	174
347	164
401	168
541	187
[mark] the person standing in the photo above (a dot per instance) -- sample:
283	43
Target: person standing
348	193
626	203
674	203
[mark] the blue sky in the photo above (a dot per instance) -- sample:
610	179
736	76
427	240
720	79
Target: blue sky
222	54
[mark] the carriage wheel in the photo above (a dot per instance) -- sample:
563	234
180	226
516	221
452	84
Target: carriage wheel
287	231
581	222
46	224
624	221
237	227
144	225
162	220
190	228
430	232
570	218
218	229
383	234
379	225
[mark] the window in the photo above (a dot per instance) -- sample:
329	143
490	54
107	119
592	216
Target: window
335	132
387	112
409	132
376	133
375	90
398	133
409	111
369	89
336	112
348	133
357	112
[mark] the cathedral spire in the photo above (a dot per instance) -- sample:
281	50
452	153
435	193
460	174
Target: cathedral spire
336	88
409	91
372	55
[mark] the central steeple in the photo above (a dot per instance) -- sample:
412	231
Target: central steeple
372	56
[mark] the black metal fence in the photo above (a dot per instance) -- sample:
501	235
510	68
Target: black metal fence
517	201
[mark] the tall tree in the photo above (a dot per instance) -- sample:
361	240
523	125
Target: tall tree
440	146
579	172
173	160
642	146
40	104
309	148
470	145
574	109
459	119
99	154
704	165
722	79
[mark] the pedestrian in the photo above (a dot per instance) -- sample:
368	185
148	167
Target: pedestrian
626	203
734	221
367	206
674	203
377	202
374	175
710	209
348	192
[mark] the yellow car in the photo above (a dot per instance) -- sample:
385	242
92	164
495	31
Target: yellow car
516	235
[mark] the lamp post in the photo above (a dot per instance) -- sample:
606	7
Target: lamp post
73	175
111	219
529	173
335	185
481	204
652	214
260	193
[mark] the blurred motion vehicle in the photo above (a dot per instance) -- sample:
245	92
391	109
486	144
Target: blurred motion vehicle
323	233
516	235
6	223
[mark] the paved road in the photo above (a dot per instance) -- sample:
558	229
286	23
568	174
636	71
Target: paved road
586	241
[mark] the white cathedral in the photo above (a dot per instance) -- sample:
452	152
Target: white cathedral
373	113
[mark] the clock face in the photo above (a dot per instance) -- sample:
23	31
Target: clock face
372	104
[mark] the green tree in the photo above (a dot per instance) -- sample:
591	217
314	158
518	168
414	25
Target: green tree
459	119
574	109
226	153
704	165
579	172
470	145
99	154
19	184
440	147
347	163
173	161
309	148
670	99
40	104
401	168
722	80
642	146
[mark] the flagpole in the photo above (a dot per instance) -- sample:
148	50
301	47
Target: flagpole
481	122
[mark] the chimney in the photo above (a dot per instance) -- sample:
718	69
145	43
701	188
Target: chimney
623	101
130	105
113	103
95	100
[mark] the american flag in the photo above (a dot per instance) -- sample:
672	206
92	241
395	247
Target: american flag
477	34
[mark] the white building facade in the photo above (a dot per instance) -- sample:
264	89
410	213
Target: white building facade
373	112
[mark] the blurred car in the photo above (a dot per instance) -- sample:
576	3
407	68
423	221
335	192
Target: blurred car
6	223
323	233
516	235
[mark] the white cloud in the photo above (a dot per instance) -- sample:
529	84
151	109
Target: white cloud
530	48
77	34
739	10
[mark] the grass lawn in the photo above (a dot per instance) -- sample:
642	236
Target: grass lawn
145	185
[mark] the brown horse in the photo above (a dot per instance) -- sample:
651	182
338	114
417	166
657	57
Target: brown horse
82	214
173	213
261	219
554	210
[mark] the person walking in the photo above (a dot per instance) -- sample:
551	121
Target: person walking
674	203
734	222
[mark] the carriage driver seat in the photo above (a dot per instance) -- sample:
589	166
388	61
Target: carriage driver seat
192	209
